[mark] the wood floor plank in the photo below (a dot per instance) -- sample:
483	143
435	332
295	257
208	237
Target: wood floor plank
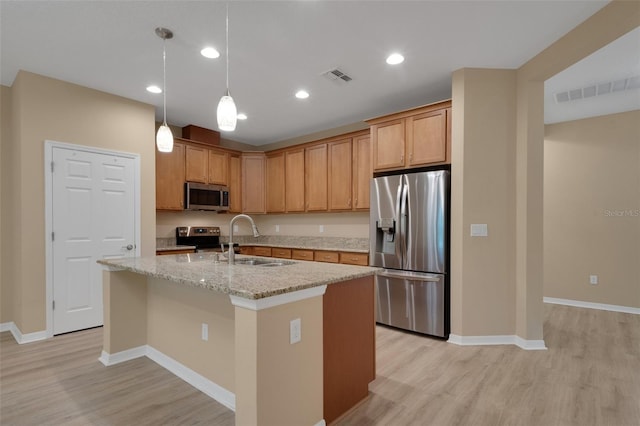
61	382
589	376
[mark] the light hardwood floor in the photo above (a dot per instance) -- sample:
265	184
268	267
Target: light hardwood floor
590	375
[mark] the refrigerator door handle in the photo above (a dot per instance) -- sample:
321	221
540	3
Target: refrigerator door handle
409	276
399	221
403	221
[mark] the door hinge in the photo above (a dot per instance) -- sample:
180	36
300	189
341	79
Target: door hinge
53	236
54	304
52	167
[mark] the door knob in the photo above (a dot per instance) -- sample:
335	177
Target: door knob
128	247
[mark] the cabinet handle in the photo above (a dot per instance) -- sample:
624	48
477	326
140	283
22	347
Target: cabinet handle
401	158
354	259
411	157
349	202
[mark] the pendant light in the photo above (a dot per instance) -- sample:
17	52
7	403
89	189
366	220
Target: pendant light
227	111
164	137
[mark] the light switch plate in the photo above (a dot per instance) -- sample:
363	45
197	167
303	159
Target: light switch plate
593	279
321	229
277	228
479	230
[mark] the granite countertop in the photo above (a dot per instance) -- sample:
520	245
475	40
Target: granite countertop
247	281
175	247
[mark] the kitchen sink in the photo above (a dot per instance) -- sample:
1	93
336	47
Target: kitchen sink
263	262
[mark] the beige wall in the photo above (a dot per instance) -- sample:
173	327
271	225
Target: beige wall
519	276
592	209
48	109
175	314
350	225
6	294
483	189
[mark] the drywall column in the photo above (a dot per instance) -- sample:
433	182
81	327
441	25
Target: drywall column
483	158
278	383
529	214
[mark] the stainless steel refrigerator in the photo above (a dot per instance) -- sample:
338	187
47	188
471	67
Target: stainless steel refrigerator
409	222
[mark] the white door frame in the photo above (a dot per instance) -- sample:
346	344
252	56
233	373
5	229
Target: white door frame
49	145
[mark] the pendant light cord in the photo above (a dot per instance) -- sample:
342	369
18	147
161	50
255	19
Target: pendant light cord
227	42
164	80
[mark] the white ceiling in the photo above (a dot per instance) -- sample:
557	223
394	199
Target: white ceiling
275	49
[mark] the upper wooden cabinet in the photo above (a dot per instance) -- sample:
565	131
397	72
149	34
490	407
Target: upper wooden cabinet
218	167
235	183
340	174
196	164
294	180
275	183
413	138
170	178
253	182
362	172
315	177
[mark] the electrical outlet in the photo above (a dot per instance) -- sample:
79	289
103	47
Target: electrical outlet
277	228
321	229
593	279
205	332
295	331
235	228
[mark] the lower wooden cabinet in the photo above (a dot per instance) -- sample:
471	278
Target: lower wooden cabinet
361	259
262	251
177	251
326	256
299	254
246	250
283	253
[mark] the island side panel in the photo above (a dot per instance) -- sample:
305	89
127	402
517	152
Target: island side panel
349	344
124	296
278	383
176	313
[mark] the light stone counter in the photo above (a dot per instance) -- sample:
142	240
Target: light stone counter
247	281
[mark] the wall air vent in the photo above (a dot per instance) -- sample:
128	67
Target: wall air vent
598	89
337	76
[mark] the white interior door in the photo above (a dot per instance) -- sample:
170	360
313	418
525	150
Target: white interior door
93	217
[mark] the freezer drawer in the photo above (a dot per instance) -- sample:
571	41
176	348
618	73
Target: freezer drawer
412	301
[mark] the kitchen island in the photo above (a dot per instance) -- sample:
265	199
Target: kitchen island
231	331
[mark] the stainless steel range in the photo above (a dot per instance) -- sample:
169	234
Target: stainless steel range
205	238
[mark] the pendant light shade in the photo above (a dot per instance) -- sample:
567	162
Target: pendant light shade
227	113
164	137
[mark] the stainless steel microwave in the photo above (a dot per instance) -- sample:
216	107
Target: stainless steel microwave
198	196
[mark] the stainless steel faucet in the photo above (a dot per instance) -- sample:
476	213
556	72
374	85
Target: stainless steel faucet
256	234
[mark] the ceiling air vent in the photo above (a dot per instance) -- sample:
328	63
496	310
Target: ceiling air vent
337	75
599	89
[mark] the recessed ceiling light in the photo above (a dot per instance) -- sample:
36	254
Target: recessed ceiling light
302	94
154	89
395	59
242	116
210	52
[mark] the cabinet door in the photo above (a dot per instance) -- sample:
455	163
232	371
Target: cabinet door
340	175
170	178
294	180
235	184
253	199
218	168
275	183
388	141
315	177
196	161
427	138
362	172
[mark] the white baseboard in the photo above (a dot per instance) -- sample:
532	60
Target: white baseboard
22	338
591	305
118	357
497	340
198	381
213	390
